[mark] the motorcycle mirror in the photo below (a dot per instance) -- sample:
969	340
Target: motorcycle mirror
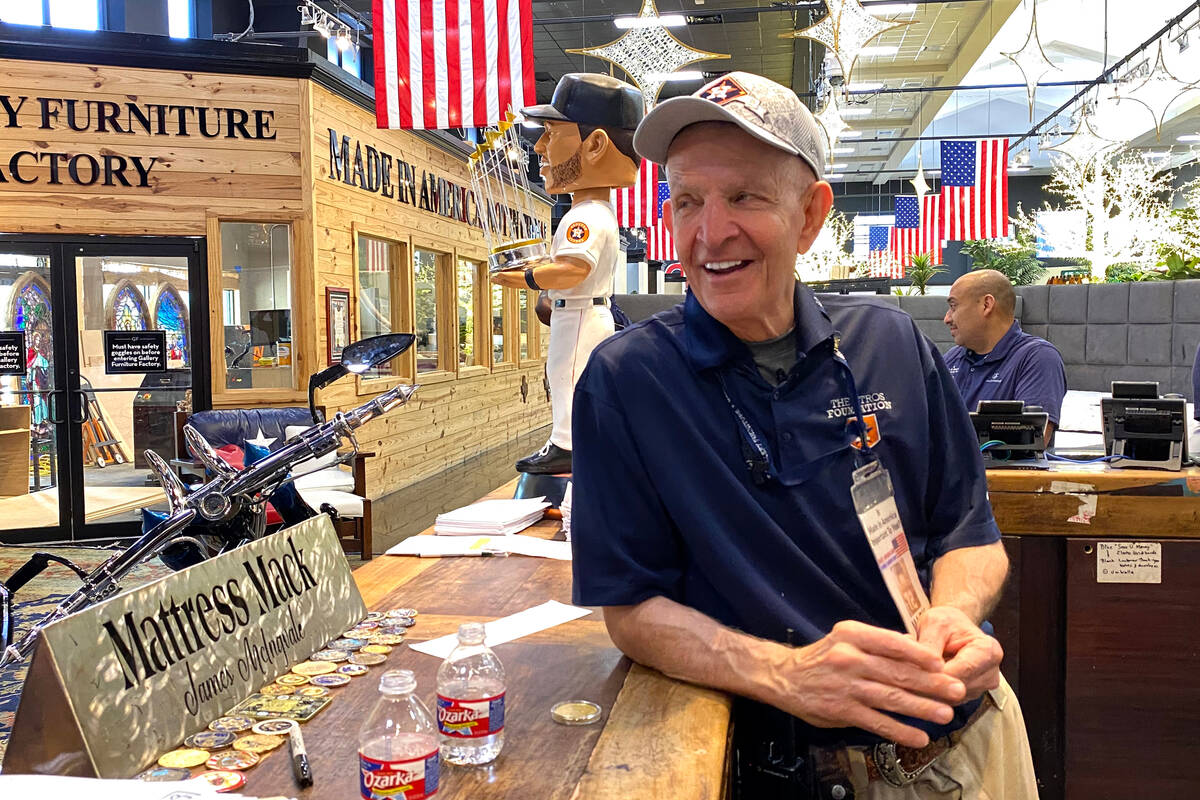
357	358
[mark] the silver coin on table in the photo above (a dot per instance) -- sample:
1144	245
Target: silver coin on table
349	644
330	655
210	740
353	670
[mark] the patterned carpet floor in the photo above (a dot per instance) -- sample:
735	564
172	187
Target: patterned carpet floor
39	597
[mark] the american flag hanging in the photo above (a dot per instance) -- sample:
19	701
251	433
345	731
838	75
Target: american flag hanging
376	252
659	244
974	189
638	206
451	63
918	228
879	257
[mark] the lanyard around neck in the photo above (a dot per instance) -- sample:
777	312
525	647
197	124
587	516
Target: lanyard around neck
754	449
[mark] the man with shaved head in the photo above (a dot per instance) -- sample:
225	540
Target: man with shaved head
993	358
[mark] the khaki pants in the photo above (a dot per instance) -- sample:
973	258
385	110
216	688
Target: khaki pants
990	762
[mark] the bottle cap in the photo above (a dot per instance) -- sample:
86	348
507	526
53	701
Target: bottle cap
575	712
396	681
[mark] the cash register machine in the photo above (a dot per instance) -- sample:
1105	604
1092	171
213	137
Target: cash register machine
1146	430
1011	434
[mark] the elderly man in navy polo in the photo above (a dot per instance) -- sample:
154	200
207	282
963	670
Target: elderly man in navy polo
716	445
993	359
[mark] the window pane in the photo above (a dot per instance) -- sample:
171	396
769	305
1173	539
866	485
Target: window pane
497	324
468	273
376	314
28	12
523	317
425	268
256	285
80	14
179	18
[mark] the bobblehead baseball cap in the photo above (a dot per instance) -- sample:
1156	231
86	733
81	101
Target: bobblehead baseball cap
591	99
761	107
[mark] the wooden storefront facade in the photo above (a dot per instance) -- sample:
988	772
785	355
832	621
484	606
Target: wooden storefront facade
295	204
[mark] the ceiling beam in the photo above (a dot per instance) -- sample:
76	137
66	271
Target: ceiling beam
992	19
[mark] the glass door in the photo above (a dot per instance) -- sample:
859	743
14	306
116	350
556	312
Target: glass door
141	344
32	397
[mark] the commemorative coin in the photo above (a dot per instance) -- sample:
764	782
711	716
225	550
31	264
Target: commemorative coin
367	659
348	644
392	623
365	626
330	680
275	688
373	615
224	780
274	727
390	639
313	691
210	740
257	743
377	649
311	668
291	679
159	774
232	759
183	758
235	723
401	612
353	670
330	655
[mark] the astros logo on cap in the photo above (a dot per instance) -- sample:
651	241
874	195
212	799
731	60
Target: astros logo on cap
723	91
577	233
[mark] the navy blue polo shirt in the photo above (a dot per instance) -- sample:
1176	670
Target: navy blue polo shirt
1020	367
664	504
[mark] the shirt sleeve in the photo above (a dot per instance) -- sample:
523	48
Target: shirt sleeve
956	503
581	238
1042	380
625	547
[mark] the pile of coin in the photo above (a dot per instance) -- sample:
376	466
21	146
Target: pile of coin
238	741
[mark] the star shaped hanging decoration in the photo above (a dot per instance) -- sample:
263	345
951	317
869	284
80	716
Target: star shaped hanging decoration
1160	90
844	29
832	123
645	53
1031	60
1114	114
1085	145
919	184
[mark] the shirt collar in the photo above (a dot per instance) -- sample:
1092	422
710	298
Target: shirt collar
711	344
1002	347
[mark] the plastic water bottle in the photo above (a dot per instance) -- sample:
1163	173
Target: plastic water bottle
470	700
397	744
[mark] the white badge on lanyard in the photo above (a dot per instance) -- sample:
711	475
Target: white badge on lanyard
875	504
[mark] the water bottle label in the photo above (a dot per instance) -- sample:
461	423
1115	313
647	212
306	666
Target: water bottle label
412	779
470	719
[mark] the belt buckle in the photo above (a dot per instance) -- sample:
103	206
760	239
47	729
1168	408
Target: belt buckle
890	767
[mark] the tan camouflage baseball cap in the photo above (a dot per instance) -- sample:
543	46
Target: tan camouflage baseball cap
759	106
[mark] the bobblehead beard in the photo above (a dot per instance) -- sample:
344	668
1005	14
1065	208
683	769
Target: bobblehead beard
564	174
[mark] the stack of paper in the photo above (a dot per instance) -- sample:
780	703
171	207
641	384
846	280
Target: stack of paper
491	517
517	544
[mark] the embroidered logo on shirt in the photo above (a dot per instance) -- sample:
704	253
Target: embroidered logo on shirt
872	423
723	92
577	233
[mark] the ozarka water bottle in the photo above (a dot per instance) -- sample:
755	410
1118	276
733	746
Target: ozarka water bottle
470	700
397	746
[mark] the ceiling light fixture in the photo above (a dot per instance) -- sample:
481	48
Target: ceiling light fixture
665	21
856	111
891	9
850	134
865	86
1189	137
879	51
838	151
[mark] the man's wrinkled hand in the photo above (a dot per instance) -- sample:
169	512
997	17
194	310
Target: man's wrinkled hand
971	655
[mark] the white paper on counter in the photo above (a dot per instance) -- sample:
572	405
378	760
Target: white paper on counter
533	546
39	787
506	629
444	546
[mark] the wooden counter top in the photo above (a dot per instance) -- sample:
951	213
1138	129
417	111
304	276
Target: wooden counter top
658	737
1090	500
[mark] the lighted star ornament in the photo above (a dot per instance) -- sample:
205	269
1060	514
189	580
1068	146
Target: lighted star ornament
1160	90
1031	60
844	29
832	123
919	184
1085	145
646	54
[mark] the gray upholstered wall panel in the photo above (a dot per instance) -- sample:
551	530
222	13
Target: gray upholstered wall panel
1151	302
1069	339
937	331
640	306
1033	304
1185	338
1068	304
1187	301
1041	331
924	306
1181	382
1149	344
1106	302
1106	344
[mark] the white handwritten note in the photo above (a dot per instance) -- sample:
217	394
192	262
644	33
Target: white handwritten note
1129	562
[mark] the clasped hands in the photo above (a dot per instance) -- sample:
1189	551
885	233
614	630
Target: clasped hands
858	671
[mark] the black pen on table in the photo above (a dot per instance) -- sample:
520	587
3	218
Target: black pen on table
300	766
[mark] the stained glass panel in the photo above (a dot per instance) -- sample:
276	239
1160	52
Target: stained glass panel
31	313
127	311
169	317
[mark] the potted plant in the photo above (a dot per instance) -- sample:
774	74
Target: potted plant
921	270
